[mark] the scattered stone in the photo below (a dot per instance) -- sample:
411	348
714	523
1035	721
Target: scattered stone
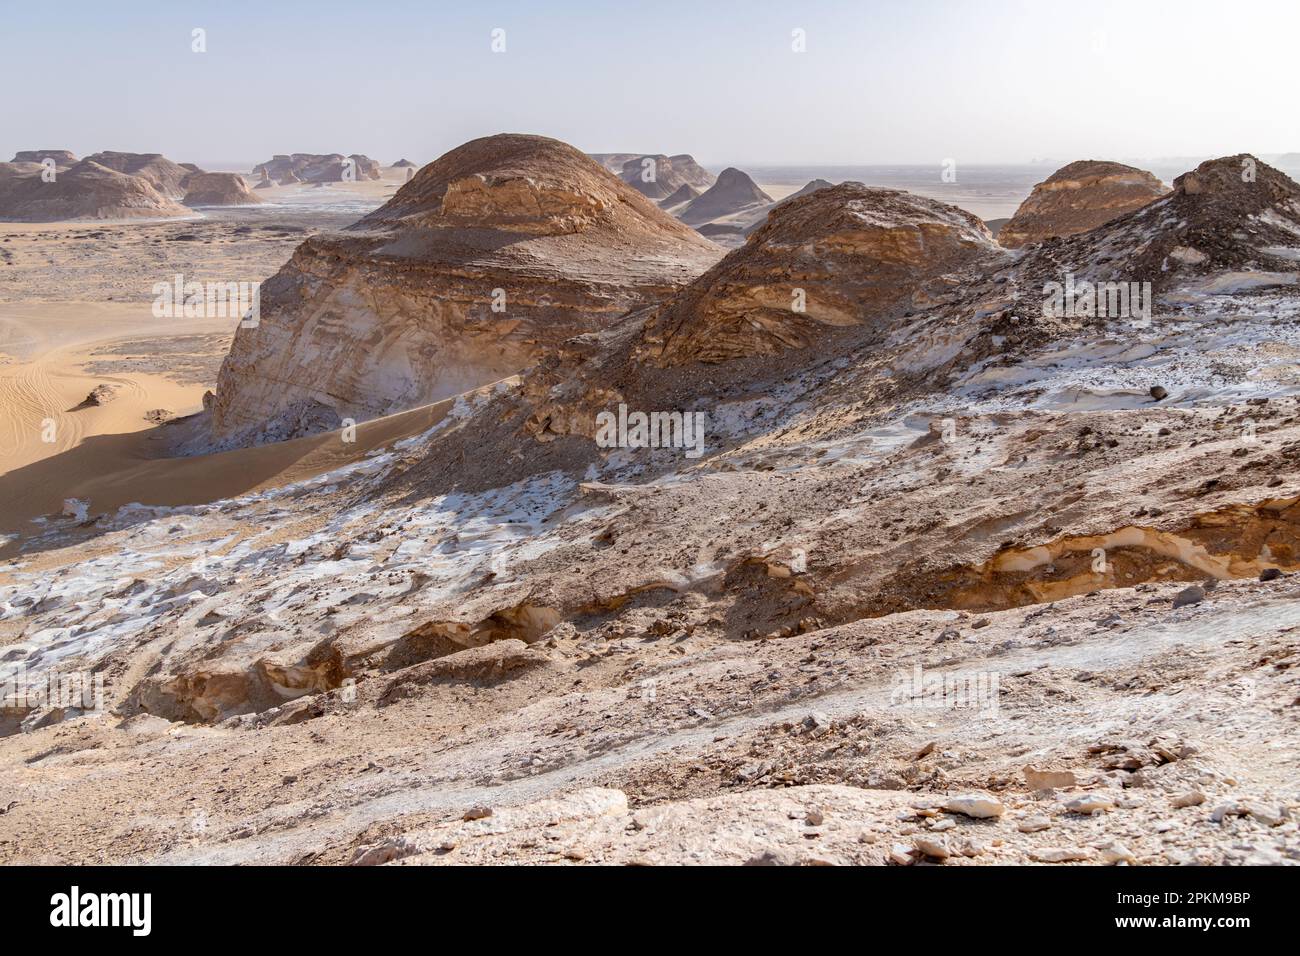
1192	798
394	848
932	847
1158	393
900	854
1116	852
477	813
1049	779
1270	574
1090	803
1034	824
976	805
1067	854
1192	595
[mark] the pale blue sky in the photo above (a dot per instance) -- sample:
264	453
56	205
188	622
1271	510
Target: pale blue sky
982	81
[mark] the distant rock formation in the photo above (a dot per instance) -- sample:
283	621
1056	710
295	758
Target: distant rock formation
218	189
1079	197
166	177
489	257
658	176
685	193
61	157
839	256
85	190
318	167
733	193
402	164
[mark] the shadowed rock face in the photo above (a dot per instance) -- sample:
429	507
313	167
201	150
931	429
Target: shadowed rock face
157	170
840	256
86	190
489	257
218	189
1079	197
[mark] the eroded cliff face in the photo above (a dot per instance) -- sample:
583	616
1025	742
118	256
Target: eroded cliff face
489	257
1079	197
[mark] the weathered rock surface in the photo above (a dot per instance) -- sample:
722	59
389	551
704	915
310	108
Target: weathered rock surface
403	164
85	190
218	189
840	256
1079	197
1230	225
489	257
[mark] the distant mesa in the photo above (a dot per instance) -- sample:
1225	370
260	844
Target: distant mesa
733	193
1077	198
61	157
488	259
685	193
219	189
402	164
287	169
166	177
839	256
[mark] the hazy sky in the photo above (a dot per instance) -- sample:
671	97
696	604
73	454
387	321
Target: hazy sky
912	81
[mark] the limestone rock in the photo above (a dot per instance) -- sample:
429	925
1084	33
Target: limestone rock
841	256
976	805
1079	197
489	257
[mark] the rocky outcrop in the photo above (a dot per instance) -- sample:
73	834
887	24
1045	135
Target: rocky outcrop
1079	197
318	167
218	189
1230	224
732	194
658	176
403	164
86	190
841	256
61	157
166	177
489	257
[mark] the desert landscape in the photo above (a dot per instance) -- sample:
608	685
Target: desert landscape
525	504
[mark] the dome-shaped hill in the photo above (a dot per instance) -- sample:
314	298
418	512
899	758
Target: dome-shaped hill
491	255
